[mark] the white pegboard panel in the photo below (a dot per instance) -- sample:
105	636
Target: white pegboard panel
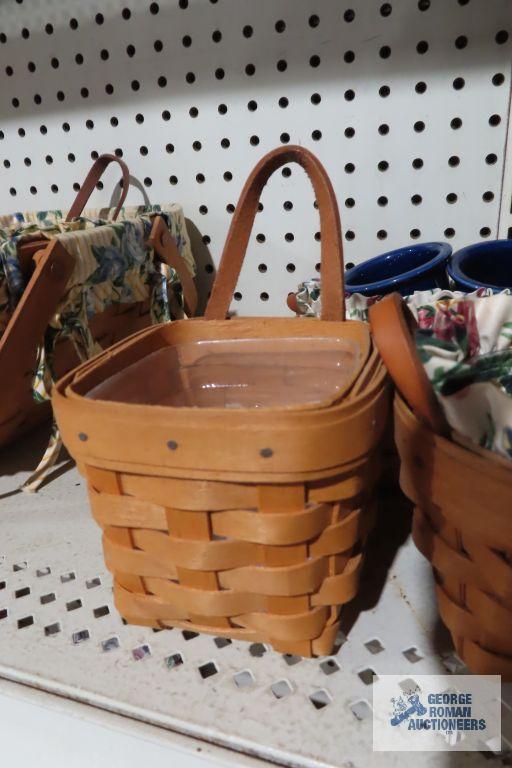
60	632
406	103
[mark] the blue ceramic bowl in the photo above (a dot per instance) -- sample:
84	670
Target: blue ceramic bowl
413	268
487	265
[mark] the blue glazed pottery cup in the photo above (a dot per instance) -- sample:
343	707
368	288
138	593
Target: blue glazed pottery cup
482	265
412	268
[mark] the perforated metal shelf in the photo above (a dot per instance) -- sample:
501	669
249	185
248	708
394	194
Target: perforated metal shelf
60	632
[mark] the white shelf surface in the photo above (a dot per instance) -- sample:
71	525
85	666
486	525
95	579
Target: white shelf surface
61	618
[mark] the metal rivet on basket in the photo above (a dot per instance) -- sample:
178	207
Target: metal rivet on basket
266	453
83	437
172	445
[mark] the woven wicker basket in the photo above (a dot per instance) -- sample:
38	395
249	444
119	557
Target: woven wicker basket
463	525
49	268
463	503
247	523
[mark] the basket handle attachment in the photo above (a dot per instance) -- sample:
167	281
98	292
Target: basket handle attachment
166	249
333	297
393	325
96	172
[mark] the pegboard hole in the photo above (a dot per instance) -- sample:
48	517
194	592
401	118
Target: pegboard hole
26	621
367	676
244	679
415	233
451	198
349	57
23	592
257	650
412	655
110	644
103	610
449	232
361	710
141	652
222	642
281	689
280	26
485	232
330	666
488	197
52	629
49	598
174	660
208	670
320	699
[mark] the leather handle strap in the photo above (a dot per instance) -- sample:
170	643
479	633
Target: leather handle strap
96	172
167	250
54	266
393	326
333	297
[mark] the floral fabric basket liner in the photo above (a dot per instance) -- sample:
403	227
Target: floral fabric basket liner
465	344
112	265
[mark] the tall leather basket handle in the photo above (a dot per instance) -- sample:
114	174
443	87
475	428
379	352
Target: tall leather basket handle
92	178
393	324
333	296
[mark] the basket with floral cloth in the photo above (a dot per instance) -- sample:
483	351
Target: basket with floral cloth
452	366
71	284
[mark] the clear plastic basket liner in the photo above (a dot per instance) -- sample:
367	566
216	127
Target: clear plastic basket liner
237	373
